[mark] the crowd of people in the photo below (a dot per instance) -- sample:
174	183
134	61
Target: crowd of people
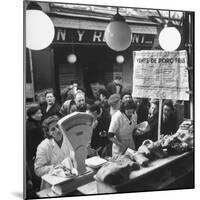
116	113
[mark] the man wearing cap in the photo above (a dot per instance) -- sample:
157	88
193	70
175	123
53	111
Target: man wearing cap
126	96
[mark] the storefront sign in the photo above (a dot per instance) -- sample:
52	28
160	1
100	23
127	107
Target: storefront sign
64	35
160	74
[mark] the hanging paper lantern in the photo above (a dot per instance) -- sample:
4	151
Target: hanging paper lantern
39	30
71	58
120	59
118	34
169	38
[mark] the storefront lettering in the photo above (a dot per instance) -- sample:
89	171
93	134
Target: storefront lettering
97	36
135	38
64	35
80	35
61	35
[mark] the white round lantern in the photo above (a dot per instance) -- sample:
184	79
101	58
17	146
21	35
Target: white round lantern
120	59
71	58
39	30
169	38
118	34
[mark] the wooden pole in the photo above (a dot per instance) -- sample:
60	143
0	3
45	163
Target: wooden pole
32	78
159	117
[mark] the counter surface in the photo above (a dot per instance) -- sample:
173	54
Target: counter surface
158	175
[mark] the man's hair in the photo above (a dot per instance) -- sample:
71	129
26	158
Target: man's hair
32	110
104	92
118	78
94	108
126	93
79	93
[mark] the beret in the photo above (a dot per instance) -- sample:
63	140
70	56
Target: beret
126	93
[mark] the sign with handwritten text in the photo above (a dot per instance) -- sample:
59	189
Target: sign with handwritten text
160	74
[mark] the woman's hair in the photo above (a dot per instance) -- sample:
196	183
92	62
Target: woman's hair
168	103
156	102
127	105
32	110
49	92
46	123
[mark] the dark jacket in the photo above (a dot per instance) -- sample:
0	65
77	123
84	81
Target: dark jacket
103	125
142	113
34	136
54	110
167	127
111	88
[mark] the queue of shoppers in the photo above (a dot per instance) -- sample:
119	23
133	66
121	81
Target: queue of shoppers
116	113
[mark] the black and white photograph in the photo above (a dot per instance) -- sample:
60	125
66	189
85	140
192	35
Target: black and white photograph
109	99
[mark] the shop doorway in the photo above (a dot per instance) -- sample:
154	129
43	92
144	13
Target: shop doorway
96	65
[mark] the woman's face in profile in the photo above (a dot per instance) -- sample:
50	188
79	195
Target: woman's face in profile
38	115
166	111
153	109
55	132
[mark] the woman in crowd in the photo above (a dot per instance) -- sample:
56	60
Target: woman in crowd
53	150
152	131
34	135
51	107
123	123
168	120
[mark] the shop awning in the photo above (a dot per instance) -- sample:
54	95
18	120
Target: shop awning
94	25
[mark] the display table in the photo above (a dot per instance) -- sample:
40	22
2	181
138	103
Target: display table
160	174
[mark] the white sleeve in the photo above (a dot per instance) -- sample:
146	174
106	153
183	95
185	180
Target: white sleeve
42	162
114	124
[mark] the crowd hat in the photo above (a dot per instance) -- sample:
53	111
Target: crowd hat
113	99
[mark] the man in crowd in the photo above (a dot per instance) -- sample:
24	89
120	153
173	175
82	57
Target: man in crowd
79	99
102	122
103	96
115	87
126	96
